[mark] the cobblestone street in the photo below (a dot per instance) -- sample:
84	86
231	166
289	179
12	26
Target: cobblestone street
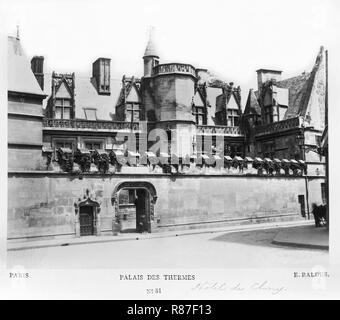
247	249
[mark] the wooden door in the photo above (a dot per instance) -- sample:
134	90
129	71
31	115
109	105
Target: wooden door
86	221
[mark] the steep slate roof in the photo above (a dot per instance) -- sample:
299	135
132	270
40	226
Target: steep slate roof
20	76
297	87
300	89
252	105
86	96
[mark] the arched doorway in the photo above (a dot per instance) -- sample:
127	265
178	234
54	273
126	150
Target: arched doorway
144	199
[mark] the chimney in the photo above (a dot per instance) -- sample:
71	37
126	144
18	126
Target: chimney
37	66
264	75
101	75
202	74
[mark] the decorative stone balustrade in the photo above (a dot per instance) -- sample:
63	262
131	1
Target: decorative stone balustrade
81	125
278	126
168	68
218	130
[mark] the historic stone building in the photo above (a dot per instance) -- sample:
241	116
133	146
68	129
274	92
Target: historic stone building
286	118
172	149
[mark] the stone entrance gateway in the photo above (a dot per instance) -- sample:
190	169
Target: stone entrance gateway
146	198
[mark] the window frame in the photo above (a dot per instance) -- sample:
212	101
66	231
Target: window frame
55	140
62	107
133	108
232	115
268	114
91	109
92	142
199	112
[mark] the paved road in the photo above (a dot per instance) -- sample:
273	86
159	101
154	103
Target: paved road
249	249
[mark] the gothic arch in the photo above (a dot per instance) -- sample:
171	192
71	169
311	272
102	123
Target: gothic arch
134	185
116	226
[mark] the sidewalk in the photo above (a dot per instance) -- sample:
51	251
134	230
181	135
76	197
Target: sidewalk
304	236
34	244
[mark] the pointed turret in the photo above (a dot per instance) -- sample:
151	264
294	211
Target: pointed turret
151	57
151	49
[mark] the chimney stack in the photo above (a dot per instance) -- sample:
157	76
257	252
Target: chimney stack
37	66
264	75
101	75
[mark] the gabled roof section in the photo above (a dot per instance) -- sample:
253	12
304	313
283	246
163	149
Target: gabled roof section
234	101
230	98
252	105
20	76
87	97
198	98
63	90
300	89
297	87
130	91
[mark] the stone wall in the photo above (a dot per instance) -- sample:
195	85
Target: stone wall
42	203
173	97
314	191
24	132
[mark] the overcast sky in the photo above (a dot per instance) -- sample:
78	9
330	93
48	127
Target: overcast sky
231	38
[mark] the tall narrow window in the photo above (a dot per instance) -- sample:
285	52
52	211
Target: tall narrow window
268	114
232	118
200	144
63	109
199	115
323	193
132	112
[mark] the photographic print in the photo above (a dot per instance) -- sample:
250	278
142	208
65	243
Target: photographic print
161	149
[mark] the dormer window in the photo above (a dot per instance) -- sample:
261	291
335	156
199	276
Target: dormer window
232	118
61	102
62	108
199	115
132	112
90	114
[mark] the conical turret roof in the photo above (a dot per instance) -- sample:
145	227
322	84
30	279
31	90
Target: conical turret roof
151	50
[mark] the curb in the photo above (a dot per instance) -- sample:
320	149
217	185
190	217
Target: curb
157	236
300	245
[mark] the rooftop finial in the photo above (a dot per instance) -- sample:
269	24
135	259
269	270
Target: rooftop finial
151	32
18	35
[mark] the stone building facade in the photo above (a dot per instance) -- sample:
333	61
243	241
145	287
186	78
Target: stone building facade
172	149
